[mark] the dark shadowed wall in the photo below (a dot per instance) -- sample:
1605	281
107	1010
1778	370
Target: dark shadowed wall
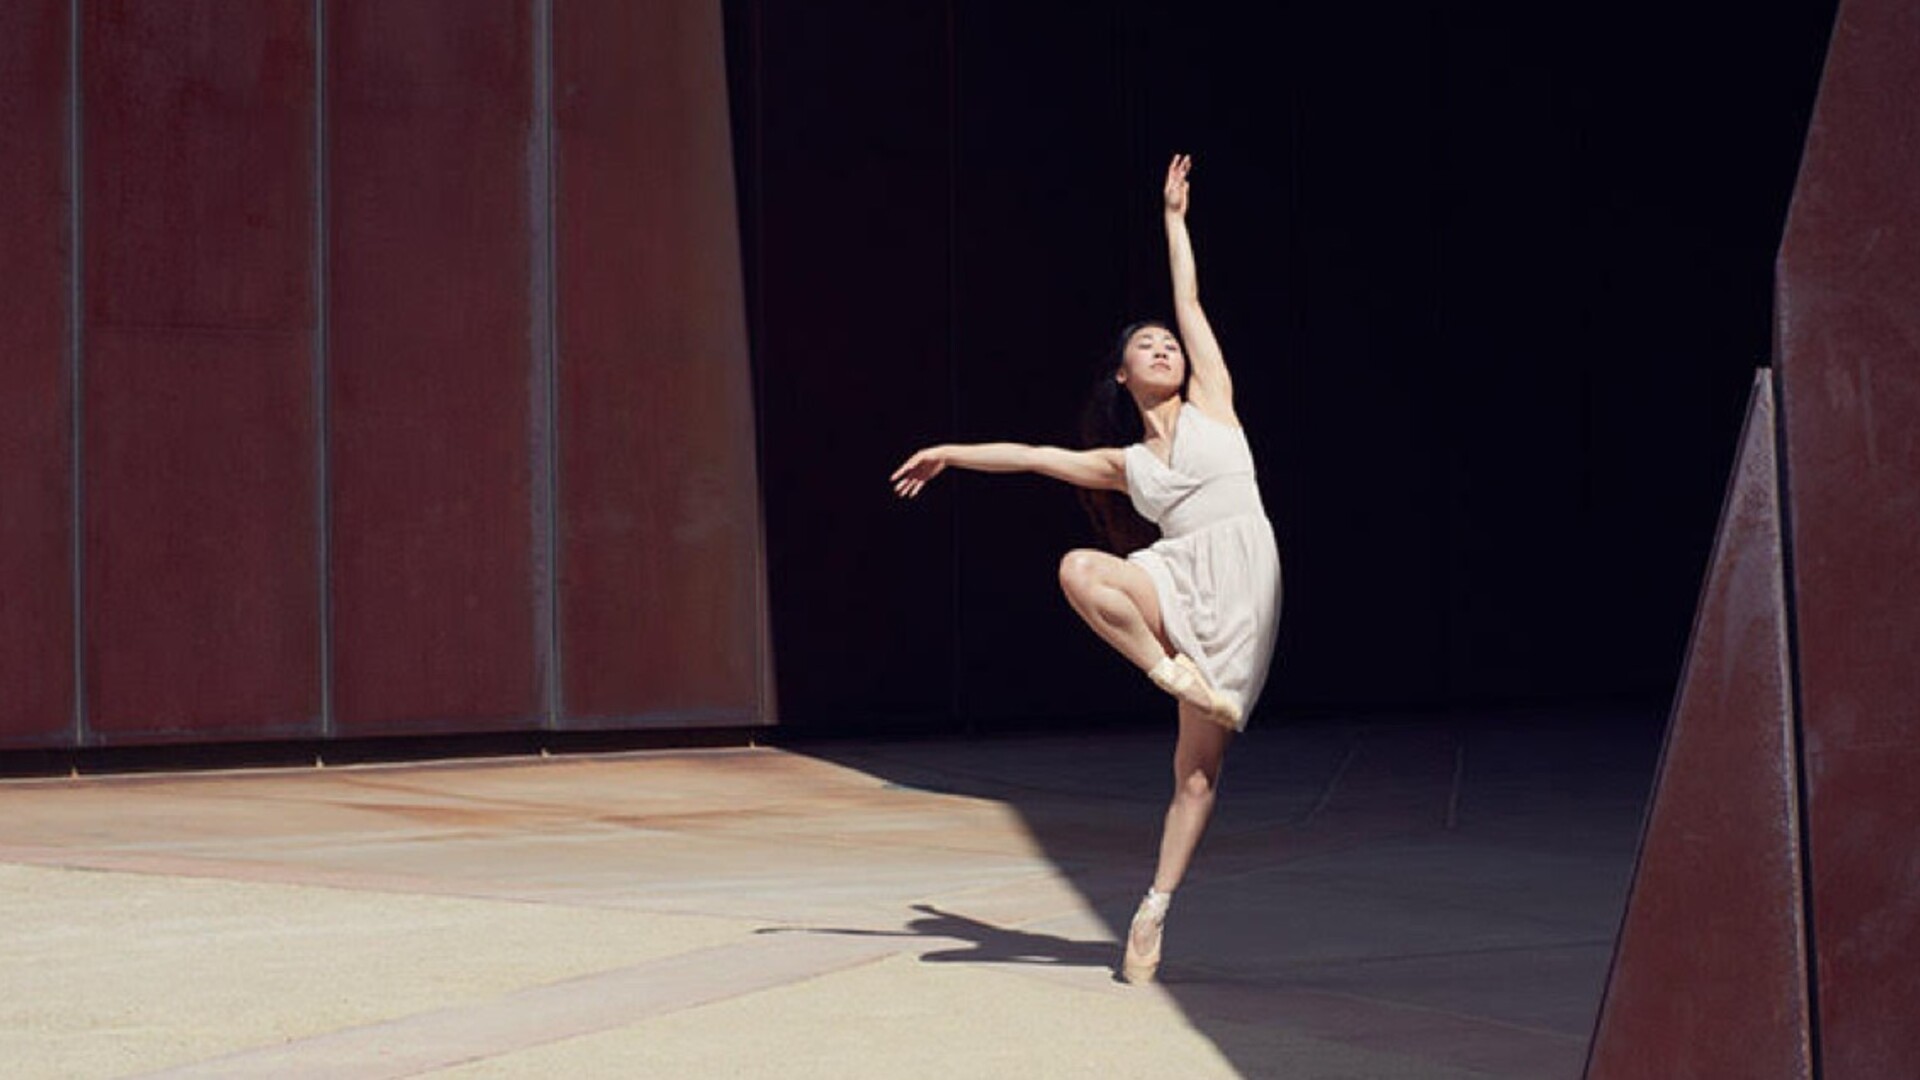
1492	279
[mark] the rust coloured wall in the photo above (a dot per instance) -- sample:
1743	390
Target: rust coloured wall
200	576
659	527
1774	927
36	433
430	360
1849	356
1710	969
392	319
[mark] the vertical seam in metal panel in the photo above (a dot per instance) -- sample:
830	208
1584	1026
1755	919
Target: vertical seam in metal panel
769	656
1440	524
954	699
1802	809
323	495
546	351
75	373
1126	154
765	705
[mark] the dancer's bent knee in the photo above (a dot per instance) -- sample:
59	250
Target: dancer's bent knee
1079	572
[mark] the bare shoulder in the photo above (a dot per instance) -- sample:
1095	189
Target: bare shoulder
1215	407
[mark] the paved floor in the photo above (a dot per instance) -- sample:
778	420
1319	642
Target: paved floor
1376	900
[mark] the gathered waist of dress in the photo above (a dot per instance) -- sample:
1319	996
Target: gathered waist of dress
1221	499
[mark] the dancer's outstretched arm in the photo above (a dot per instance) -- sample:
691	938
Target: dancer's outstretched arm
1208	385
1105	469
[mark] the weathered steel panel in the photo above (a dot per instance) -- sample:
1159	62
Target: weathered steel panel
200	555
36	396
1848	305
1709	975
431	365
661	597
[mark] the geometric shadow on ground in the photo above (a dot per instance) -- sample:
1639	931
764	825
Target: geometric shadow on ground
1444	891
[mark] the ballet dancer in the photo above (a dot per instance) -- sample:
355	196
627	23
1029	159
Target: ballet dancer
1197	609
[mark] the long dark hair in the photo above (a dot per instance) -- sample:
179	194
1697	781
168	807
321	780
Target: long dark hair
1112	419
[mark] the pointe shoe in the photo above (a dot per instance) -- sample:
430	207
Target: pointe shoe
1180	676
1219	708
1149	919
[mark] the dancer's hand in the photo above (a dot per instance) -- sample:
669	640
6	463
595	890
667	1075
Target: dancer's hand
1176	188
910	478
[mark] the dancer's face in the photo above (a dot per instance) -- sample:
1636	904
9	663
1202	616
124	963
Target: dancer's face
1153	362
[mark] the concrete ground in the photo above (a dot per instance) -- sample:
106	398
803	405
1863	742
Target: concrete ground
1376	900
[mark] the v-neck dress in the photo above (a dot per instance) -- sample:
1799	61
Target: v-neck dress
1216	566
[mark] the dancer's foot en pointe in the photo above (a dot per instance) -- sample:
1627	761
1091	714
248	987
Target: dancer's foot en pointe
1180	676
1143	938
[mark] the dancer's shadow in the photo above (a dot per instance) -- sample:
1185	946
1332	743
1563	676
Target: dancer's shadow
984	942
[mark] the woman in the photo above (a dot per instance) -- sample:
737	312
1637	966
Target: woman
1197	610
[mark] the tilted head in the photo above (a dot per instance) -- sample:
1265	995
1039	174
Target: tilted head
1146	367
1150	364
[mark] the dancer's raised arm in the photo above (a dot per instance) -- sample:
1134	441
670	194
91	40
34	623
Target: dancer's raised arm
1209	386
1104	469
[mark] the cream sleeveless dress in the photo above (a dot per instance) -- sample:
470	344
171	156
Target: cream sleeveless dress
1216	566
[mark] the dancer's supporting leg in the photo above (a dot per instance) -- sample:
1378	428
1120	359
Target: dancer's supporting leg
1197	759
1117	599
1196	777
